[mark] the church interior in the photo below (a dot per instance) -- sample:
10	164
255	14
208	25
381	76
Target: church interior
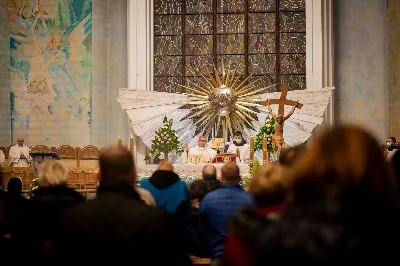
191	82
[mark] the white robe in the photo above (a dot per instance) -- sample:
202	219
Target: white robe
205	155
244	153
2	159
390	154
14	156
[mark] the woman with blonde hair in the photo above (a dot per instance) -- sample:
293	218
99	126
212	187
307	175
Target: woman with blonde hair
344	205
52	197
268	190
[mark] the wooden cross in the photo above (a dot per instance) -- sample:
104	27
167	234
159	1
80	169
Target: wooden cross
282	101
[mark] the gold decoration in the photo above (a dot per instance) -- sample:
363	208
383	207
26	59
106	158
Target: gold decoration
222	99
251	161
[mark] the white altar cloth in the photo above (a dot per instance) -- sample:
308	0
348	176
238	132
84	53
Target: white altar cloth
189	169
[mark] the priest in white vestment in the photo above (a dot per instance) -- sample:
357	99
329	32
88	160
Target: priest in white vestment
240	148
19	154
2	159
199	154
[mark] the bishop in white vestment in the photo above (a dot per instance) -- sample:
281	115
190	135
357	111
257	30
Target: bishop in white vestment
19	154
240	148
199	154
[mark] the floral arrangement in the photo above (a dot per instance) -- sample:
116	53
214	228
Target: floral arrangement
165	140
256	165
187	178
245	182
268	130
32	188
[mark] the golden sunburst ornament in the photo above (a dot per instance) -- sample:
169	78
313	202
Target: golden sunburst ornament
223	99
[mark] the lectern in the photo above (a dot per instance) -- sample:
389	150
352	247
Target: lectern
40	156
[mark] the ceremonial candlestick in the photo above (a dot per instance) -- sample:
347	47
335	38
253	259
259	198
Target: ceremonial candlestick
131	144
264	150
119	142
251	161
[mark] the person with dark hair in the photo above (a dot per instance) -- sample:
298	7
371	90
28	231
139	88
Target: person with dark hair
14	205
343	206
240	147
289	155
197	190
117	225
3	196
391	143
210	176
391	147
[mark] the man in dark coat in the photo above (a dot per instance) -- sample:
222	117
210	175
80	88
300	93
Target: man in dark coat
117	226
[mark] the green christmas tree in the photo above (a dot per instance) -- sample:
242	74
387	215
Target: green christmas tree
268	130
165	140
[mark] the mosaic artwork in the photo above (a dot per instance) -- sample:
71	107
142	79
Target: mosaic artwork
267	40
50	70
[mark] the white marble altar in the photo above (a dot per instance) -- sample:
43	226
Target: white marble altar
186	169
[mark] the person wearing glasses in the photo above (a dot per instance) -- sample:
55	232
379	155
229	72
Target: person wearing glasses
199	154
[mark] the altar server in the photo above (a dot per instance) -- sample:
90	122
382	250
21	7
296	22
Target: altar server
240	147
205	154
19	154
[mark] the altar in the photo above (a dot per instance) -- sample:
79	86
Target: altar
187	171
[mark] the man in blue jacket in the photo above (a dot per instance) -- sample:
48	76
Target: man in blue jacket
218	207
170	193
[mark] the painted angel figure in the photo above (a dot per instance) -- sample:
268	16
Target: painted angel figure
57	60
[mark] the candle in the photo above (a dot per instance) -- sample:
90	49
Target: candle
131	144
119	142
251	150
264	150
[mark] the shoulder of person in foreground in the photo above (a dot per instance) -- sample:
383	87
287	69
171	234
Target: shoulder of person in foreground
151	223
146	196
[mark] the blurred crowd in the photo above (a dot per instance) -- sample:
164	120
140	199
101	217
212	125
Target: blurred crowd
333	201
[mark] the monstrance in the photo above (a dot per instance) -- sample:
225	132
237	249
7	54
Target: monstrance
223	100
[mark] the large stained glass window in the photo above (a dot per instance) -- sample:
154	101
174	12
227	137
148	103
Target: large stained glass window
266	37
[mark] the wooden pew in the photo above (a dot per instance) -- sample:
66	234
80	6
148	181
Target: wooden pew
82	162
25	173
83	180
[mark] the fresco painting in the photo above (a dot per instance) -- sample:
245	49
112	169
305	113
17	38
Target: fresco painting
50	70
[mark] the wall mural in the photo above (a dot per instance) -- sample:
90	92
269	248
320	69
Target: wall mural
50	70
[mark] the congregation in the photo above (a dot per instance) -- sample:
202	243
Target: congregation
333	201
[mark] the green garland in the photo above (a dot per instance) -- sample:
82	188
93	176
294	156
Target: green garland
165	140
268	130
